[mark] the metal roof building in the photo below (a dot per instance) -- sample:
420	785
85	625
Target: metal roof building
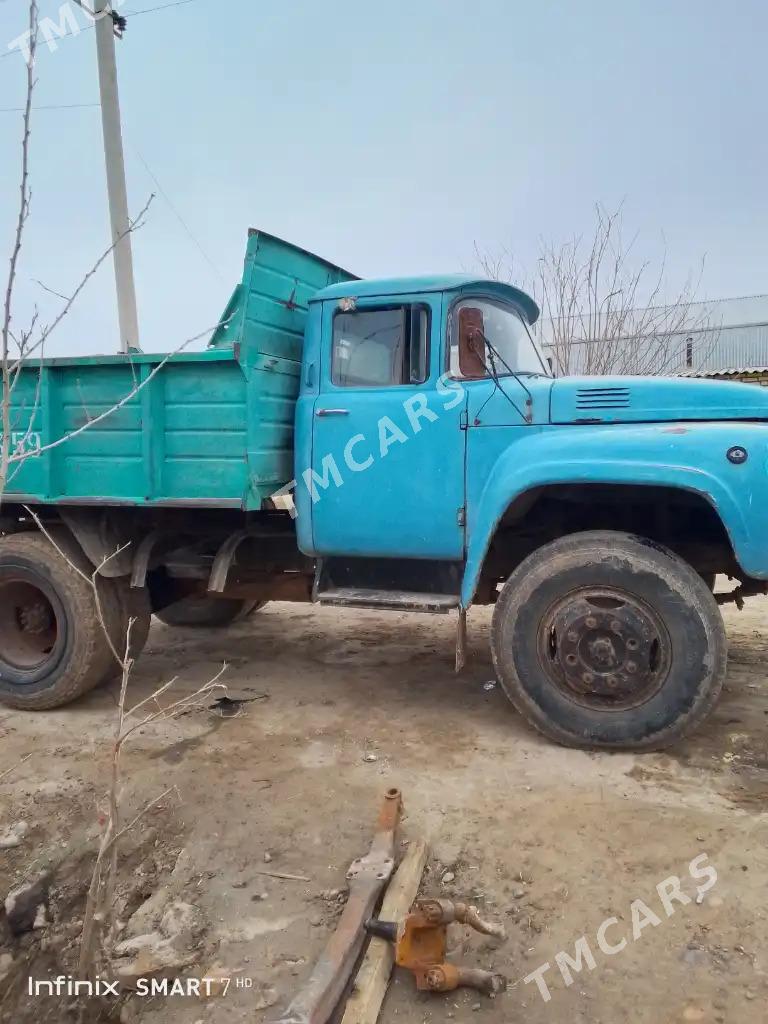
735	339
731	335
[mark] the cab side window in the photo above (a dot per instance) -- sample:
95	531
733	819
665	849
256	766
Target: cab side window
383	347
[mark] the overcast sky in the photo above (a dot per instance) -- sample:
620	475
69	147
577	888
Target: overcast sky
391	139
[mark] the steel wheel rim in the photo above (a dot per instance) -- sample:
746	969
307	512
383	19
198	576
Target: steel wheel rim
31	627
604	648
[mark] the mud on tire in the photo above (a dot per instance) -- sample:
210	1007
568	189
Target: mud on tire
52	644
604	639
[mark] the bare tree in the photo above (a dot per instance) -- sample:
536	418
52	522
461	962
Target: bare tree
21	353
603	311
98	934
25	199
22	349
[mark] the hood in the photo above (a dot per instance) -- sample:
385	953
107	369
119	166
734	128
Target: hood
654	400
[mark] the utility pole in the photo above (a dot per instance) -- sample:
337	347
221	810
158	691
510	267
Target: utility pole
118	195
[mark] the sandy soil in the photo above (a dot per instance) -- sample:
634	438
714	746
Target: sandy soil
550	841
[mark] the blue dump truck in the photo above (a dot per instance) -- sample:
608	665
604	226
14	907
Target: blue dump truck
395	444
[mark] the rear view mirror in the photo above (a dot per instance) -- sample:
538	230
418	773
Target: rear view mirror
472	343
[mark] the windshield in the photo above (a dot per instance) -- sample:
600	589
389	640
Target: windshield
482	333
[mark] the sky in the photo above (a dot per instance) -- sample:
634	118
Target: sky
389	138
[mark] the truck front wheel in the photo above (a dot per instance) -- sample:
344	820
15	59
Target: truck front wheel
52	644
603	639
207	611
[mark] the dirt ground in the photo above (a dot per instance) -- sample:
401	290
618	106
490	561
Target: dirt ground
550	841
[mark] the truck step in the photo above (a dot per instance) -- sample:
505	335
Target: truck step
397	600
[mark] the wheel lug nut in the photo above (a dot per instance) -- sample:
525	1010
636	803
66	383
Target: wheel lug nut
591	622
631	666
588	677
573	636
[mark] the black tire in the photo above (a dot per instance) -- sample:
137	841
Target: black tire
213	612
250	608
603	639
53	648
134	604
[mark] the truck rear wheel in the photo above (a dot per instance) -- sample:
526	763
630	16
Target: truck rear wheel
52	645
133	603
604	639
136	606
208	611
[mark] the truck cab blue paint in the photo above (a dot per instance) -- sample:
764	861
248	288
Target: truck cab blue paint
398	452
691	457
527	433
448	284
653	399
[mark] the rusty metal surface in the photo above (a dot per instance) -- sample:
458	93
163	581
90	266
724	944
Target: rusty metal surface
421	943
461	640
367	876
605	648
294	586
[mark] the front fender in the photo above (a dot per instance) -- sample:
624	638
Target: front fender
691	456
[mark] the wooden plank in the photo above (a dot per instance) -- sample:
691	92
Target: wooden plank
364	1003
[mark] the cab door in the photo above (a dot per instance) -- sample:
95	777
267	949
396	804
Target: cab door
388	448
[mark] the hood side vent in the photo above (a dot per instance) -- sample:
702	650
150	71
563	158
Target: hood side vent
602	398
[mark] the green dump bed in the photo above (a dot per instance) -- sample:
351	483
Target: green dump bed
211	428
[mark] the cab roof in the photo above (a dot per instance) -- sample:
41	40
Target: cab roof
438	283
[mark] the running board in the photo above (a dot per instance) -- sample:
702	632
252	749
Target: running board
394	600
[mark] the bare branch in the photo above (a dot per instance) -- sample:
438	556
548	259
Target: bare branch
98	925
604	312
51	291
25	200
125	399
134	225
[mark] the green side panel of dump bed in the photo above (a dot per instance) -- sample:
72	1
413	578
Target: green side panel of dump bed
211	428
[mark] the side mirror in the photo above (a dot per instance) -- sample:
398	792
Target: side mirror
472	349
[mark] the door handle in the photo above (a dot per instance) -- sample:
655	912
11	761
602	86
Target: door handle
332	412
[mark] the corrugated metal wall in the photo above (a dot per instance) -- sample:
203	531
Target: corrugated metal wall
736	336
731	348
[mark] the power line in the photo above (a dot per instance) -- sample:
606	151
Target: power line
178	216
130	14
161	7
53	106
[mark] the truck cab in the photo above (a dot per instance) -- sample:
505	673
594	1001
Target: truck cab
393	374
